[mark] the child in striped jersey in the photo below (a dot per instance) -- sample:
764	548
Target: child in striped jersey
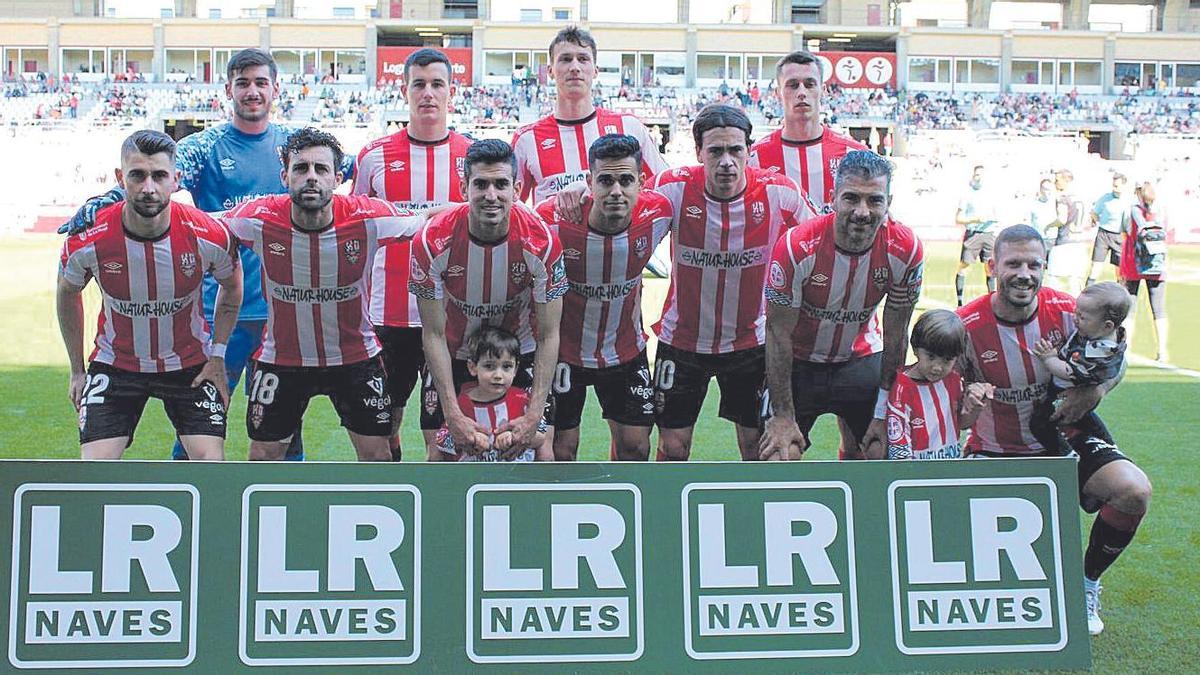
491	401
928	405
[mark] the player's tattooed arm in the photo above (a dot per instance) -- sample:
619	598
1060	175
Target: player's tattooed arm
225	315
782	438
69	302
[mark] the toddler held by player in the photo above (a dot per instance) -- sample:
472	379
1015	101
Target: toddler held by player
1093	354
928	405
492	400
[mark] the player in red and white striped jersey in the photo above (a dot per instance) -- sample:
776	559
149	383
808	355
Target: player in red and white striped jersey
602	340
928	405
727	216
487	262
827	279
148	256
804	149
552	153
416	168
316	250
1002	328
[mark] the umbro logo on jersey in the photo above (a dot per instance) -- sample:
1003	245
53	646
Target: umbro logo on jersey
548	143
352	248
277	248
694	211
227	164
187	263
989	356
397	165
455	270
571	253
113	267
918	422
819	279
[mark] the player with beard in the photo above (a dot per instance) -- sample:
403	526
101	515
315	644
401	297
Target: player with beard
221	167
416	168
148	255
602	343
317	249
825	350
1002	327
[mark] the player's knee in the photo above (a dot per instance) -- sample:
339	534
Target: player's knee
633	449
1136	496
673	445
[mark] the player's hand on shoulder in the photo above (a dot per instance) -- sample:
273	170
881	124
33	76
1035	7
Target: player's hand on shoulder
85	217
570	201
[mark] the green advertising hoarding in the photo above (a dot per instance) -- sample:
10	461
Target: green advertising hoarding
595	567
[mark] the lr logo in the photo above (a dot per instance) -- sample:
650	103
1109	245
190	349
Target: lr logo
769	570
554	573
104	575
330	575
976	565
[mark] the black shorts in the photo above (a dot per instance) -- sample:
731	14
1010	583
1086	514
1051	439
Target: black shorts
403	359
432	418
1093	450
626	393
1107	242
113	400
279	396
976	247
681	382
1157	290
848	390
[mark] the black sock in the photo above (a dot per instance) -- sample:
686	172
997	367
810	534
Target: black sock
1104	546
991	284
960	280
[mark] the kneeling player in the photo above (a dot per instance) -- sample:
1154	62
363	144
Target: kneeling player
605	251
928	405
493	402
148	256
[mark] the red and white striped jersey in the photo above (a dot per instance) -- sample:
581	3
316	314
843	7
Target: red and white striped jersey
719	254
922	417
151	319
489	415
414	175
552	153
602	310
812	164
1000	353
838	293
487	284
315	283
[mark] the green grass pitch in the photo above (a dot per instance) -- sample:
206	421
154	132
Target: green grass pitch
1150	603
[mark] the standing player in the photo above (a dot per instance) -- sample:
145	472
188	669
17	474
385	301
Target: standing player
1001	329
553	152
1068	259
977	214
416	168
1109	214
726	217
221	167
487	262
825	350
602	342
147	255
804	149
317	250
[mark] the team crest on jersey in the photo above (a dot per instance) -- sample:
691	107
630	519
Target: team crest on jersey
415	271
353	249
548	143
778	278
1055	336
430	400
610	129
460	166
82	417
518	271
757	211
990	356
277	248
396	165
187	263
834	163
641	246
256	415
113	267
879	276
895	430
